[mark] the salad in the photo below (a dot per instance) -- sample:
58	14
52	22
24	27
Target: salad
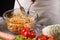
26	34
30	34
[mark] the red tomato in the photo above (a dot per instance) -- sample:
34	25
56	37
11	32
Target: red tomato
25	34
25	29
38	38
42	37
51	38
32	34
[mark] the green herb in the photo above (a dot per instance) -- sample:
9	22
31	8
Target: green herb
19	37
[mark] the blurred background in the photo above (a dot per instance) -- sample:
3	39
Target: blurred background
6	5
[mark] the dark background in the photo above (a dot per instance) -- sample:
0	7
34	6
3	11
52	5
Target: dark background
6	5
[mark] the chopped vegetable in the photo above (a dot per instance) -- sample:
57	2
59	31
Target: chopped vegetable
42	37
26	32
51	38
19	37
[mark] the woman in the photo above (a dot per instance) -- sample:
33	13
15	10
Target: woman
6	5
45	8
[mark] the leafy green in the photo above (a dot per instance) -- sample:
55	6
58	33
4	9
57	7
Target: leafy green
19	37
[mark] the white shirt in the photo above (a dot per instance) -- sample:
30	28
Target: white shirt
46	8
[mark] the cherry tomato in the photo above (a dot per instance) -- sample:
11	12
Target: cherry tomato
42	37
38	38
25	29
32	34
25	34
51	38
